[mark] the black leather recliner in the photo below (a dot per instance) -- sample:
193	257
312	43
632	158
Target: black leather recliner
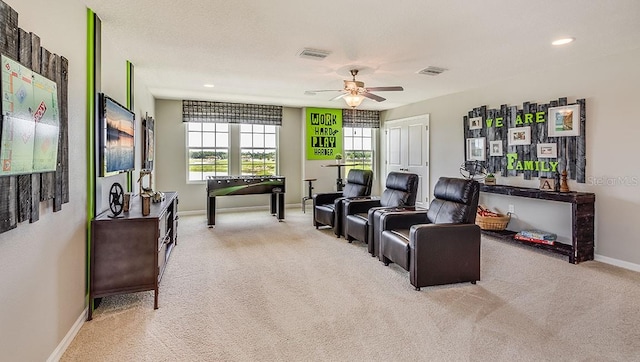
440	245
401	190
327	207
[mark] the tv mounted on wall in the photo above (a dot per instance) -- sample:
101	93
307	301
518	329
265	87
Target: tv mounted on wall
117	137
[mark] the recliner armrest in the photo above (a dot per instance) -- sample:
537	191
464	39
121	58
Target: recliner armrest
356	206
326	198
402	219
435	233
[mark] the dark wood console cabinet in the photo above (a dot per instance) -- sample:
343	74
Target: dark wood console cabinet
582	220
129	253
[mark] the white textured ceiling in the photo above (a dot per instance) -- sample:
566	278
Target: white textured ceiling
249	48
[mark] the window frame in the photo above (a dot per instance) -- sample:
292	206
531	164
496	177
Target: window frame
372	139
234	149
215	148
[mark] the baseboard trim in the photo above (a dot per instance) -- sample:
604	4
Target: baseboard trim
66	341
617	262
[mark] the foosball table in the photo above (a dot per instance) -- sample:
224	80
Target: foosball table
245	185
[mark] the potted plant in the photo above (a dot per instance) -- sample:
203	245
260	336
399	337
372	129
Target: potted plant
338	157
490	179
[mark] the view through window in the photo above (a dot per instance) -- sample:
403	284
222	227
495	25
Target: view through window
258	149
358	148
208	150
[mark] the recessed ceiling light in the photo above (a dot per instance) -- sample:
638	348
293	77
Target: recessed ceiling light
208	86
563	41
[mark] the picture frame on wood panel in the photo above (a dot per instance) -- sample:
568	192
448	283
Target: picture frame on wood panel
547	150
475	123
476	149
495	148
519	136
564	121
148	147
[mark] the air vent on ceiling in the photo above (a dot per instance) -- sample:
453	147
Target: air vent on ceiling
432	70
315	54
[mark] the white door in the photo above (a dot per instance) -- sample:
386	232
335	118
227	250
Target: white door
407	143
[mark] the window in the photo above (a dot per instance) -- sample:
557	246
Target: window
258	149
358	148
208	149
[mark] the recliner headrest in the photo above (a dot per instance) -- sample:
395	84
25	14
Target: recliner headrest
360	177
454	189
402	181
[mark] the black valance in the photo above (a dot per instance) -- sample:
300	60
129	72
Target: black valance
223	112
360	118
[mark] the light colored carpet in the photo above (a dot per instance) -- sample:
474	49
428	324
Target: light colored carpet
253	289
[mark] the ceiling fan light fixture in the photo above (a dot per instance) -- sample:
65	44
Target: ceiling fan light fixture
353	100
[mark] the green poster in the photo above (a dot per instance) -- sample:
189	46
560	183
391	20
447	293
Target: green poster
324	133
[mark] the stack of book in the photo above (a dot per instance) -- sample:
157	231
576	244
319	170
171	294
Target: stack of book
536	236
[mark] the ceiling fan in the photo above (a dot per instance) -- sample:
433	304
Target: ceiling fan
354	91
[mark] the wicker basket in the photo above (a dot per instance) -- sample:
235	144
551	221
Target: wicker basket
493	222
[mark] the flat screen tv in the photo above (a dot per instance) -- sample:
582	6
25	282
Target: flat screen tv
117	137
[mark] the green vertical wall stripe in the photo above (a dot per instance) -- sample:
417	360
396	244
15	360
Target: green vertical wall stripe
91	170
130	106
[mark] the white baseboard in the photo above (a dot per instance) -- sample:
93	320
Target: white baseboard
66	341
617	262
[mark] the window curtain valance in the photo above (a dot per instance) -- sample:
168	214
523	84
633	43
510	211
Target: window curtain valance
360	118
223	112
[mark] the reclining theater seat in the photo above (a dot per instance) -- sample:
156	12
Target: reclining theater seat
440	245
401	190
327	207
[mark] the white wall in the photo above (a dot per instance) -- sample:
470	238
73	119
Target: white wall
171	160
42	265
114	84
611	88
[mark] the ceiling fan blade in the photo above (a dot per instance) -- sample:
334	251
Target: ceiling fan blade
313	92
385	89
372	96
338	96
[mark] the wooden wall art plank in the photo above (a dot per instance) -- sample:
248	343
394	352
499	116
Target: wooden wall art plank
57	175
47	179
8	219
9	36
530	150
571	151
20	195
24	181
35	197
581	154
63	153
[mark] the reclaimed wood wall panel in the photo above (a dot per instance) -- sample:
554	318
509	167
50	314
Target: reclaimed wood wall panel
571	150
581	147
63	142
8	200
9	36
20	195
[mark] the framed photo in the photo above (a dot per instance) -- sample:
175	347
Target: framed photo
476	149
564	121
495	148
547	150
519	136
475	123
148	142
